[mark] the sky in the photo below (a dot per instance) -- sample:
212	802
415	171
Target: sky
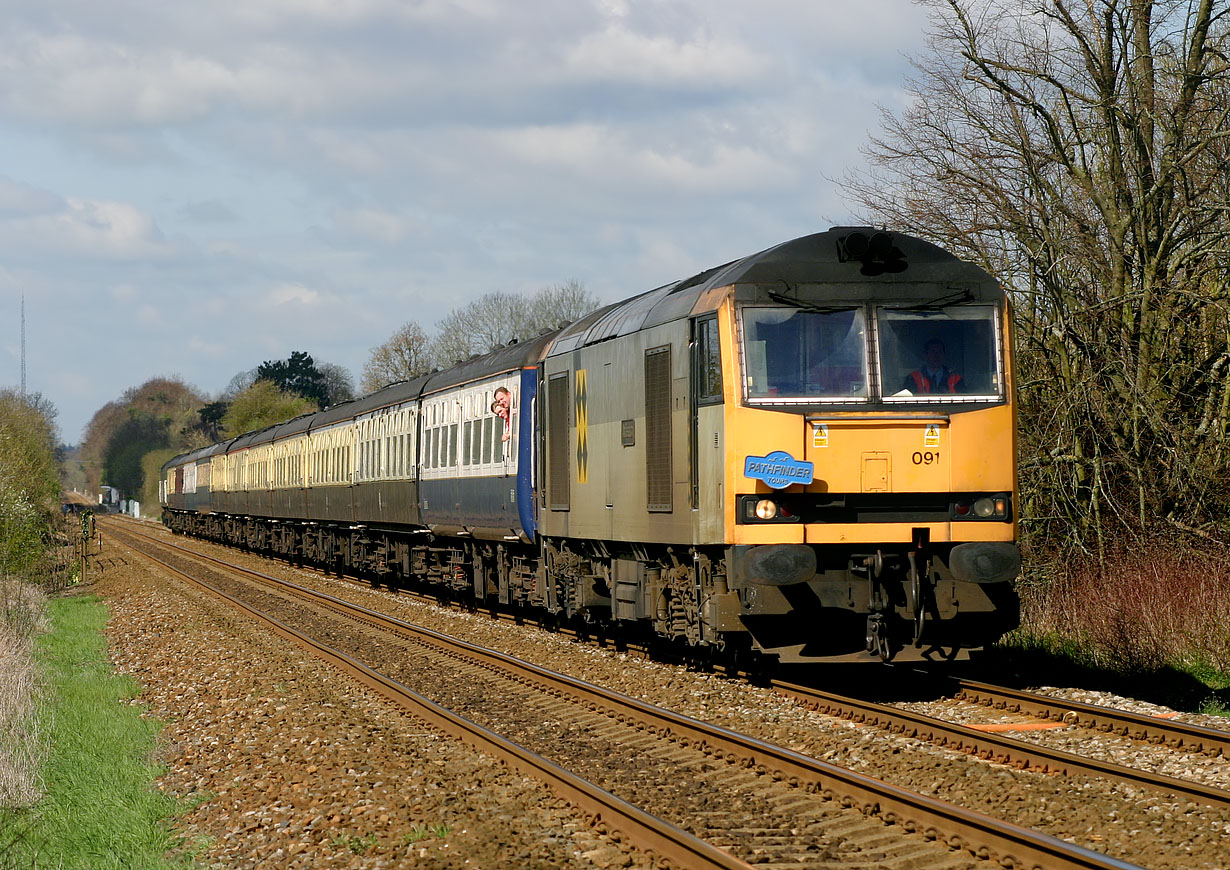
187	190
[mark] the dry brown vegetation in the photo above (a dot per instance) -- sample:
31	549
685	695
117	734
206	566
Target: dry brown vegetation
21	744
1136	612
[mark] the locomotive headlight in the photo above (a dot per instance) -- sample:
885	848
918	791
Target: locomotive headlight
766	509
996	506
984	508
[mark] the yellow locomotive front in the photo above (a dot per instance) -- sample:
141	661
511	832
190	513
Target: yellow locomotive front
870	455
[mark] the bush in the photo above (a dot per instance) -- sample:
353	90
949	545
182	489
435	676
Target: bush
1139	611
30	557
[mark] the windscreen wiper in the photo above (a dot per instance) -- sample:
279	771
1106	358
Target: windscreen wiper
960	297
808	306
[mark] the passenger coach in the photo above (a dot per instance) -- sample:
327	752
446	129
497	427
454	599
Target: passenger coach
808	453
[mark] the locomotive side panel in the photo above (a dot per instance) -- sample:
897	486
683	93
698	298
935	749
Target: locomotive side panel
618	426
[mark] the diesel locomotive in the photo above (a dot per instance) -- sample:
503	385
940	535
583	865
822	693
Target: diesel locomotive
807	454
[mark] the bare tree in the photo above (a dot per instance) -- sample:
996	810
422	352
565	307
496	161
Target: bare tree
339	385
1077	151
488	322
237	384
406	355
494	320
555	306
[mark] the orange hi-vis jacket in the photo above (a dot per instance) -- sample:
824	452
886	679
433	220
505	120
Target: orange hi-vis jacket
924	383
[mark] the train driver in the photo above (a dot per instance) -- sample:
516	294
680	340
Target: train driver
934	376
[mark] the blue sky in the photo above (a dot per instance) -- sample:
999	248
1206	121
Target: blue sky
190	189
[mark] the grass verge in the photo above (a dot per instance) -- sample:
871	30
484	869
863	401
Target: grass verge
101	810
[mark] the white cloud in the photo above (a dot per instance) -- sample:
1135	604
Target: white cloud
85	229
618	53
278	175
292	296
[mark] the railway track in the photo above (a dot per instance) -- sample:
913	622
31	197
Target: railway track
802	794
1137	726
983	742
1021	754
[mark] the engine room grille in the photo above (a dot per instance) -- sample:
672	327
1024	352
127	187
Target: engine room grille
658	427
558	407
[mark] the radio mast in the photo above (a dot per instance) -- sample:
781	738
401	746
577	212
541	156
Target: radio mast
23	345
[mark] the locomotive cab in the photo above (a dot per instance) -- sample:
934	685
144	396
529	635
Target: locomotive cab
871	455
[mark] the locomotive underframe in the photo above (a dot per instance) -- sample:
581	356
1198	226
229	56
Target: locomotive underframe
893	603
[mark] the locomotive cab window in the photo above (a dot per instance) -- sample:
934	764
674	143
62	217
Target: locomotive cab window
707	361
941	355
804	356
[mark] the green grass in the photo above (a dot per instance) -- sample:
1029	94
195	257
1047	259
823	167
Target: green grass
357	845
100	810
422	832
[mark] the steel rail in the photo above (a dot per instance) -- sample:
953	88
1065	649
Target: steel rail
1003	750
959	828
676	847
1138	726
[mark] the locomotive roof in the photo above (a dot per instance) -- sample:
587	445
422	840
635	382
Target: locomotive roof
821	258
